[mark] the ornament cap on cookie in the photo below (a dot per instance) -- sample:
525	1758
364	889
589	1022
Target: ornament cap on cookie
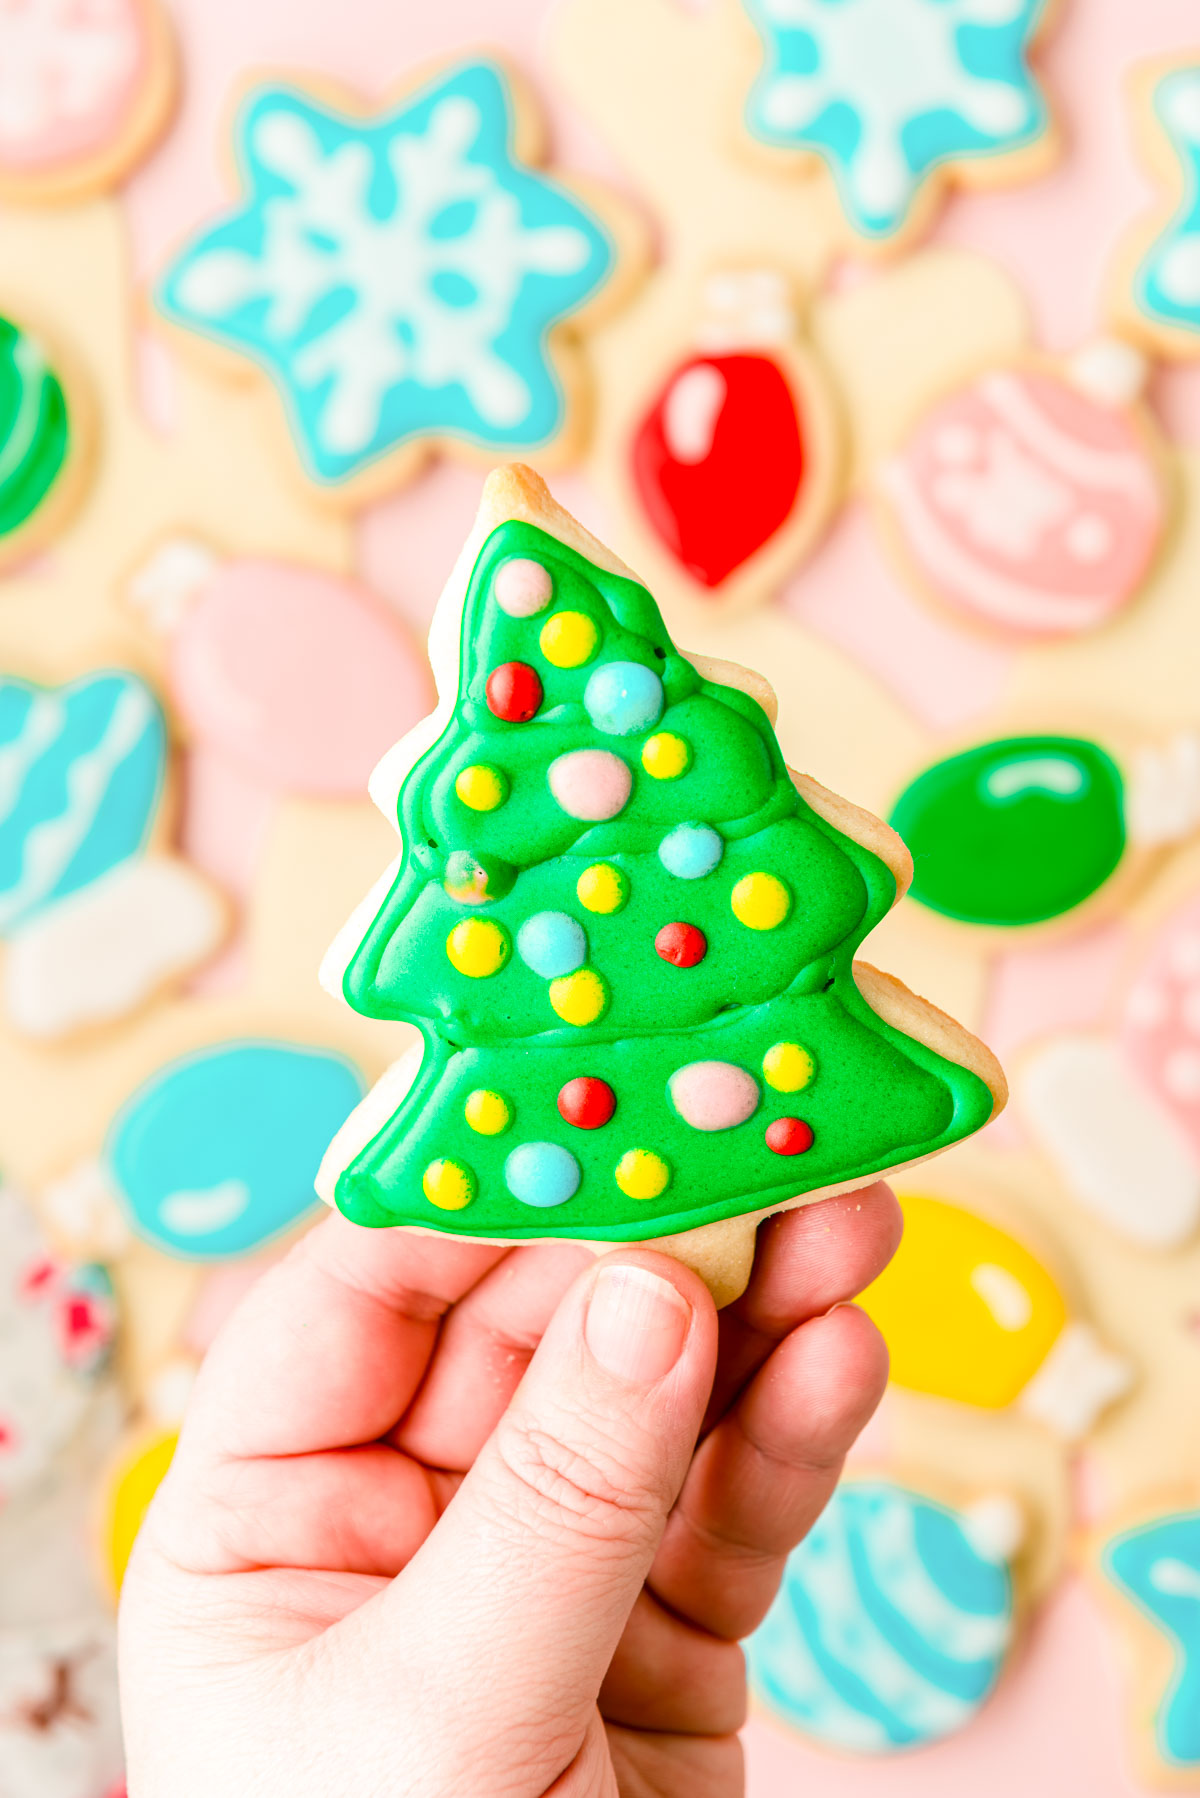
640	906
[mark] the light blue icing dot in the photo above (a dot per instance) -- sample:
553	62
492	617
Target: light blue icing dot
81	773
218	1152
891	1626
542	1174
1158	1566
552	943
623	698
691	851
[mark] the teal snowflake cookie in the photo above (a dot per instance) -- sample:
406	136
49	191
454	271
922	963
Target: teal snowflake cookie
895	95
403	279
1166	284
1155	1566
623	933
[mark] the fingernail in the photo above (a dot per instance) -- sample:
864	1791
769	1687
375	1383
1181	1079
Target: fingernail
636	1324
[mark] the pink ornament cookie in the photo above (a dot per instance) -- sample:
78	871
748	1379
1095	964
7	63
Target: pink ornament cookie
1033	499
57	1324
297	675
85	88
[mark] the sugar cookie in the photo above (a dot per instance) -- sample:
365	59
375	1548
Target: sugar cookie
60	1726
1034	499
895	1619
1156	284
1149	1571
407	280
526	940
1118	1112
900	99
298	676
971	1313
46	439
57	1326
1030	829
216	1153
731	450
84	92
96	920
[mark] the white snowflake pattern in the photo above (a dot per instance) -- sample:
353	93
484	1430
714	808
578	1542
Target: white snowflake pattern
355	304
884	64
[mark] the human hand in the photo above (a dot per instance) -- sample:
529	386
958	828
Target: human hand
438	1525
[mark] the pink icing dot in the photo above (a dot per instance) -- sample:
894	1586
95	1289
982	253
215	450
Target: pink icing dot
1024	501
591	784
523	587
713	1095
297	675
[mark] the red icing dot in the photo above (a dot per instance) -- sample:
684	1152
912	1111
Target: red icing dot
789	1136
587	1103
514	692
681	944
719	460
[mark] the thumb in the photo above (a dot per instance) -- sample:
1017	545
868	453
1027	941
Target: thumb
529	1578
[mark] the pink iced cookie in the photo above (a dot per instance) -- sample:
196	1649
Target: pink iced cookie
296	675
84	87
1032	500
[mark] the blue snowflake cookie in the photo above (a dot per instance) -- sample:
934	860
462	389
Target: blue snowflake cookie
399	276
1167	282
890	92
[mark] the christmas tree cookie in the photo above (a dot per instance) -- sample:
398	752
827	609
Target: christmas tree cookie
625	932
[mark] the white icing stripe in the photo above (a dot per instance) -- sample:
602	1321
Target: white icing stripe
994	595
43	721
1111	470
51	846
30	365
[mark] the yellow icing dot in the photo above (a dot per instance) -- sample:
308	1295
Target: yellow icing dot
477	947
760	901
641	1174
579	998
481	787
129	1499
787	1067
569	639
448	1185
967	1312
488	1113
665	756
602	888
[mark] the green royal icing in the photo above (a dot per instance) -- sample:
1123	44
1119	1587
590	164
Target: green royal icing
34	428
1015	831
877	1098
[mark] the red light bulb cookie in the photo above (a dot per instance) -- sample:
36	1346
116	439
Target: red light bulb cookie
731	456
573	1079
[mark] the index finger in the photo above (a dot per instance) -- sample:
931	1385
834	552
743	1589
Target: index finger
329	1348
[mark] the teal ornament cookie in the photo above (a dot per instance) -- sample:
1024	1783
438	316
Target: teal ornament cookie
404	279
216	1154
662	941
893	1622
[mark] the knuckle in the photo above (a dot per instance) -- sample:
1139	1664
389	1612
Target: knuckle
588	1489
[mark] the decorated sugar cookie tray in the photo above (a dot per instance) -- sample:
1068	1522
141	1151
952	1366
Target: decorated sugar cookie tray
796	406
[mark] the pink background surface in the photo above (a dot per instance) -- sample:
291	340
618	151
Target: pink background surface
1057	1724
